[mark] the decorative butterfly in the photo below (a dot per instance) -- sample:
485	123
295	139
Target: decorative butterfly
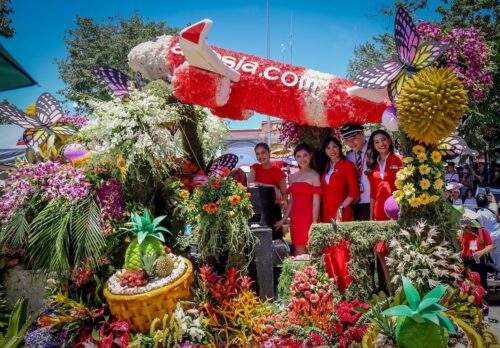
412	55
454	146
38	128
227	160
118	82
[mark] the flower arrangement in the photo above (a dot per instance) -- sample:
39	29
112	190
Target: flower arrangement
419	182
418	254
221	211
233	311
133	132
347	324
468	56
290	132
51	206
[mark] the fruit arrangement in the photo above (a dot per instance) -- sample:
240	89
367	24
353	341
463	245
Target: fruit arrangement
133	278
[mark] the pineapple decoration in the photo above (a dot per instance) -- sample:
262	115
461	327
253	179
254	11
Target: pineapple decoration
422	324
148	244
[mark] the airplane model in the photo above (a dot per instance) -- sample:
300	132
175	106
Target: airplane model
234	85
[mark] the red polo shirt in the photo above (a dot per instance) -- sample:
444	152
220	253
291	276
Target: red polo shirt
483	239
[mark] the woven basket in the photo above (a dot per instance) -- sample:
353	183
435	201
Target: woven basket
140	310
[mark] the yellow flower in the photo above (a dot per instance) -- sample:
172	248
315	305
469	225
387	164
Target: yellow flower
438	184
438	175
424	199
408	189
434	198
422	157
414	202
417	149
436	156
398	195
424	169
184	194
82	160
425	184
401	175
407	159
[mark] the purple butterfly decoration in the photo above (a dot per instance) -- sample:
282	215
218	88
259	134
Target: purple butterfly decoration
38	128
227	160
412	55
118	82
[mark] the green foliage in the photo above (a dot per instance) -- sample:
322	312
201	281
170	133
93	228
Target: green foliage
4	311
143	227
420	311
102	43
72	234
362	236
19	322
6	29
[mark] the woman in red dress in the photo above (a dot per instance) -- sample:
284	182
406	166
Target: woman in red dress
339	182
383	164
304	203
265	174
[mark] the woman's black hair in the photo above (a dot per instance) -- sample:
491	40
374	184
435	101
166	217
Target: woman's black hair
325	160
467	191
263	145
371	153
482	200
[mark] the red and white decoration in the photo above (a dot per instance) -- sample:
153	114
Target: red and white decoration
245	83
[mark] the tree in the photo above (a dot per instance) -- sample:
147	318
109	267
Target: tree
107	43
6	29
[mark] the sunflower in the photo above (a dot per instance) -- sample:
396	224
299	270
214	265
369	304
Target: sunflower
415	202
425	184
398	195
424	199
436	157
422	157
424	169
438	184
418	149
434	198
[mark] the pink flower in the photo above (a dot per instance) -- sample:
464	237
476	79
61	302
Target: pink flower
307	293
314	298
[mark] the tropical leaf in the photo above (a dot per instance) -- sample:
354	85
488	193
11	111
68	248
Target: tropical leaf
86	232
399	311
15	232
62	238
411	293
445	322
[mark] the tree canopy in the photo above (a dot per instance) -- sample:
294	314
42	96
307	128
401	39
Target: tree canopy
102	43
6	29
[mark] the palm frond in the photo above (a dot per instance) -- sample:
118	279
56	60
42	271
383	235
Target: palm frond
88	240
48	241
15	232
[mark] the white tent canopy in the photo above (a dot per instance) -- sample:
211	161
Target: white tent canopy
9	136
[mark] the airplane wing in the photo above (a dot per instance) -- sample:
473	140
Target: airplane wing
194	46
376	95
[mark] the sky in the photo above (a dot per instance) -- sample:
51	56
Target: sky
325	33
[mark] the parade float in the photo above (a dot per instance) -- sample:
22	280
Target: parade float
80	209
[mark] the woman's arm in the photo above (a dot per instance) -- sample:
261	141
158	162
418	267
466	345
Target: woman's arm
282	189
484	251
251	178
316	200
286	215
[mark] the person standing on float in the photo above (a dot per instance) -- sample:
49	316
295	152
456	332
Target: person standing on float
383	164
304	202
339	182
265	174
353	136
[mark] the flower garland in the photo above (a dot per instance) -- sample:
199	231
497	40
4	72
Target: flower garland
469	56
419	182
